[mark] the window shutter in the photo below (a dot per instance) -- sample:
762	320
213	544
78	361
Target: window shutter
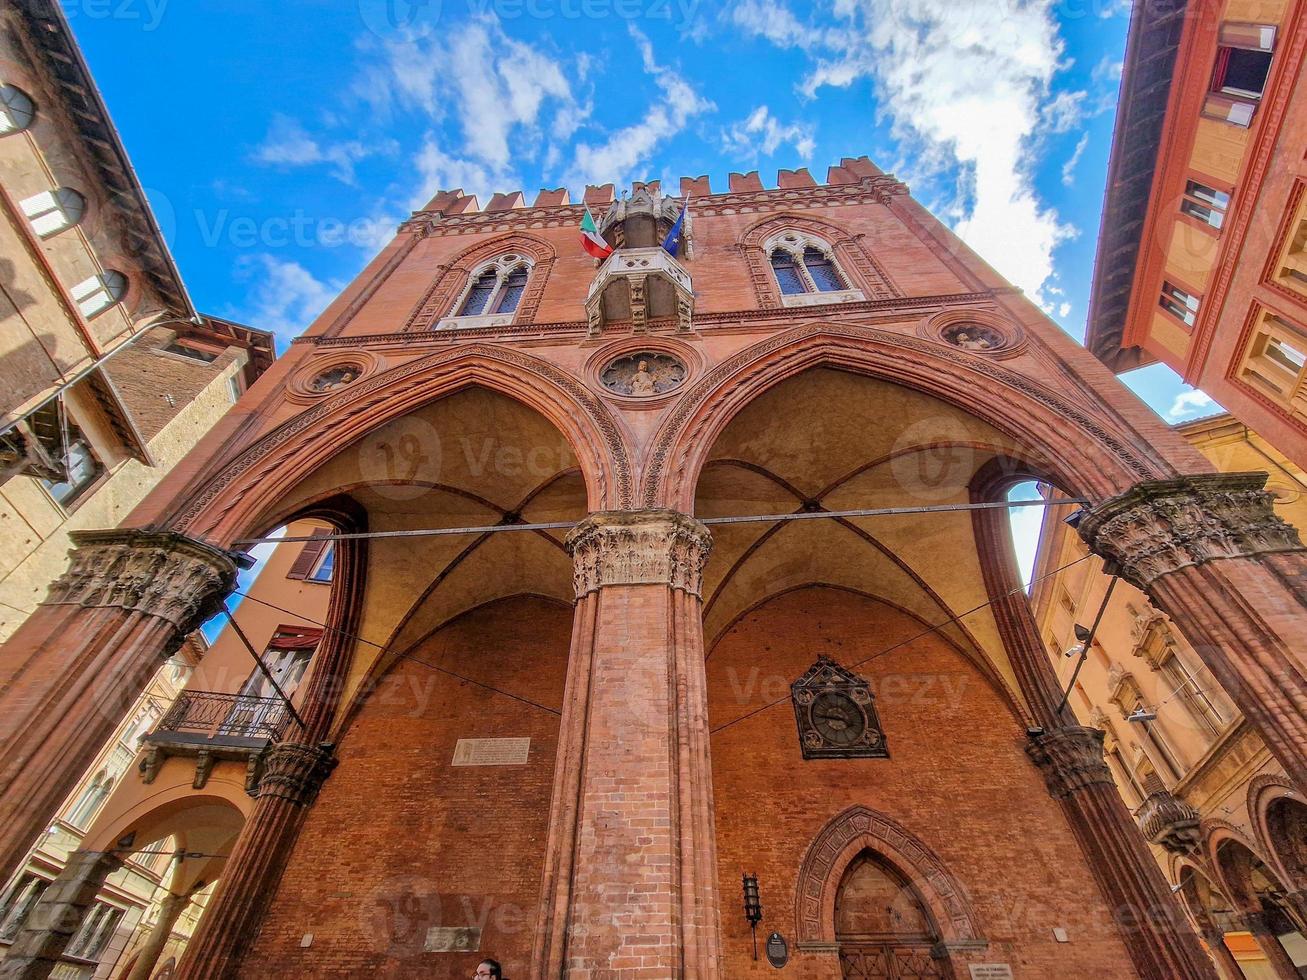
1255	37
1226	109
308	557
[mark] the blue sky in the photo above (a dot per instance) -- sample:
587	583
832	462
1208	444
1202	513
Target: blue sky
281	143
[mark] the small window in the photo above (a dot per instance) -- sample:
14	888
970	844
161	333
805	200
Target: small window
788	276
195	353
18	904
1205	203
17	110
822	270
1241	73
479	296
326	565
1285	354
1179	303
51	212
95	295
88	804
82	467
94	933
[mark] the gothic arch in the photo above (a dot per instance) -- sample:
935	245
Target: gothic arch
860	828
242	493
854	259
1286	856
452	278
1084	454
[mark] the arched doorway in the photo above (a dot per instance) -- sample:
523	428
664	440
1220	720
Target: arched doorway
882	926
1286	826
1260	900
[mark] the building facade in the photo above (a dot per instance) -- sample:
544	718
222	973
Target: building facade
661	685
108	376
1226	824
1202	257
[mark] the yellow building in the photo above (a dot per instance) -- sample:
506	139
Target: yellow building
1226	826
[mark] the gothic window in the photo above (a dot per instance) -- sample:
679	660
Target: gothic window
804	265
16	110
51	212
18	904
89	802
96	294
94	933
496	289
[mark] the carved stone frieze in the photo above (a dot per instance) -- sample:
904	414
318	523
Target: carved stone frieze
1071	759
639	547
1160	526
295	772
160	573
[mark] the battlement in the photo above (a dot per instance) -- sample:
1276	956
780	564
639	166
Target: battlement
850	170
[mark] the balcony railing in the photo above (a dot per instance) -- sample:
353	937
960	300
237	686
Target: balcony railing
208	716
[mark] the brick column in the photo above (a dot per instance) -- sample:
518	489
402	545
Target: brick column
57	916
170	910
630	886
1159	939
1211	553
292	776
74	668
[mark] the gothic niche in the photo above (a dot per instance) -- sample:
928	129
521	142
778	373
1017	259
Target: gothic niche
642	374
836	714
336	378
973	336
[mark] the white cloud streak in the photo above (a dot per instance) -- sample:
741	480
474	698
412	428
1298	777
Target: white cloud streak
288	144
285	297
761	133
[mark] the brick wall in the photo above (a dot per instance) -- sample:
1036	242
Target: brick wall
957	779
156	384
400	841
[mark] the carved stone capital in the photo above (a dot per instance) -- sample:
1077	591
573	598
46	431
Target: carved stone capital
1169	822
1071	759
160	573
638	547
1159	526
295	772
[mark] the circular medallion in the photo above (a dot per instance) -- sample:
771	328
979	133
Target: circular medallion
336	378
643	374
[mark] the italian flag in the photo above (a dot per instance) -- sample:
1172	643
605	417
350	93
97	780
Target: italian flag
591	240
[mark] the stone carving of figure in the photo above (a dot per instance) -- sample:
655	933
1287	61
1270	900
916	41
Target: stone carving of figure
642	382
335	380
968	340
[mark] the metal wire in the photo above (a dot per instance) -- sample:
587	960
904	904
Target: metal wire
816	515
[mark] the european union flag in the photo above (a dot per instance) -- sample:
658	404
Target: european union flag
673	240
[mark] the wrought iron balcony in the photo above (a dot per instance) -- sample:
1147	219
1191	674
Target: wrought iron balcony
212	726
639	285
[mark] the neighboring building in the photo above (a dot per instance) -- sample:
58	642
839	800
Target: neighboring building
1227	825
578	745
108	376
1202	256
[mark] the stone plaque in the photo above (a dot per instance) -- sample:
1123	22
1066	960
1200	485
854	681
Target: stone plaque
453	939
491	752
991	971
778	953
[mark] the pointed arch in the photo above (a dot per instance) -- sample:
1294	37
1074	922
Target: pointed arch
860	829
451	279
1082	451
1287	856
243	491
850	252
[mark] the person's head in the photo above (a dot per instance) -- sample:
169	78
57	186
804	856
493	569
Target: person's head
488	969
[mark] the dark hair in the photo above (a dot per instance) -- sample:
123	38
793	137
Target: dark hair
496	970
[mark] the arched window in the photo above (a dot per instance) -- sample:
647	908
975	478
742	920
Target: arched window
17	110
50	212
803	264
496	288
96	294
89	802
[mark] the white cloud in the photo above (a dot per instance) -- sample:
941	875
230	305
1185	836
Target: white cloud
285	297
1069	168
288	144
762	133
961	83
1065	111
616	158
1190	405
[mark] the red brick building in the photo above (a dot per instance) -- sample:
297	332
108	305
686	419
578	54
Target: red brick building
563	735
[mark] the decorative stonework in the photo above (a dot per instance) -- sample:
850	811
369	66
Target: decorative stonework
1170	823
840	842
639	547
451	281
330	372
1071	759
1160	526
295	772
334	379
643	374
976	331
855	261
159	573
